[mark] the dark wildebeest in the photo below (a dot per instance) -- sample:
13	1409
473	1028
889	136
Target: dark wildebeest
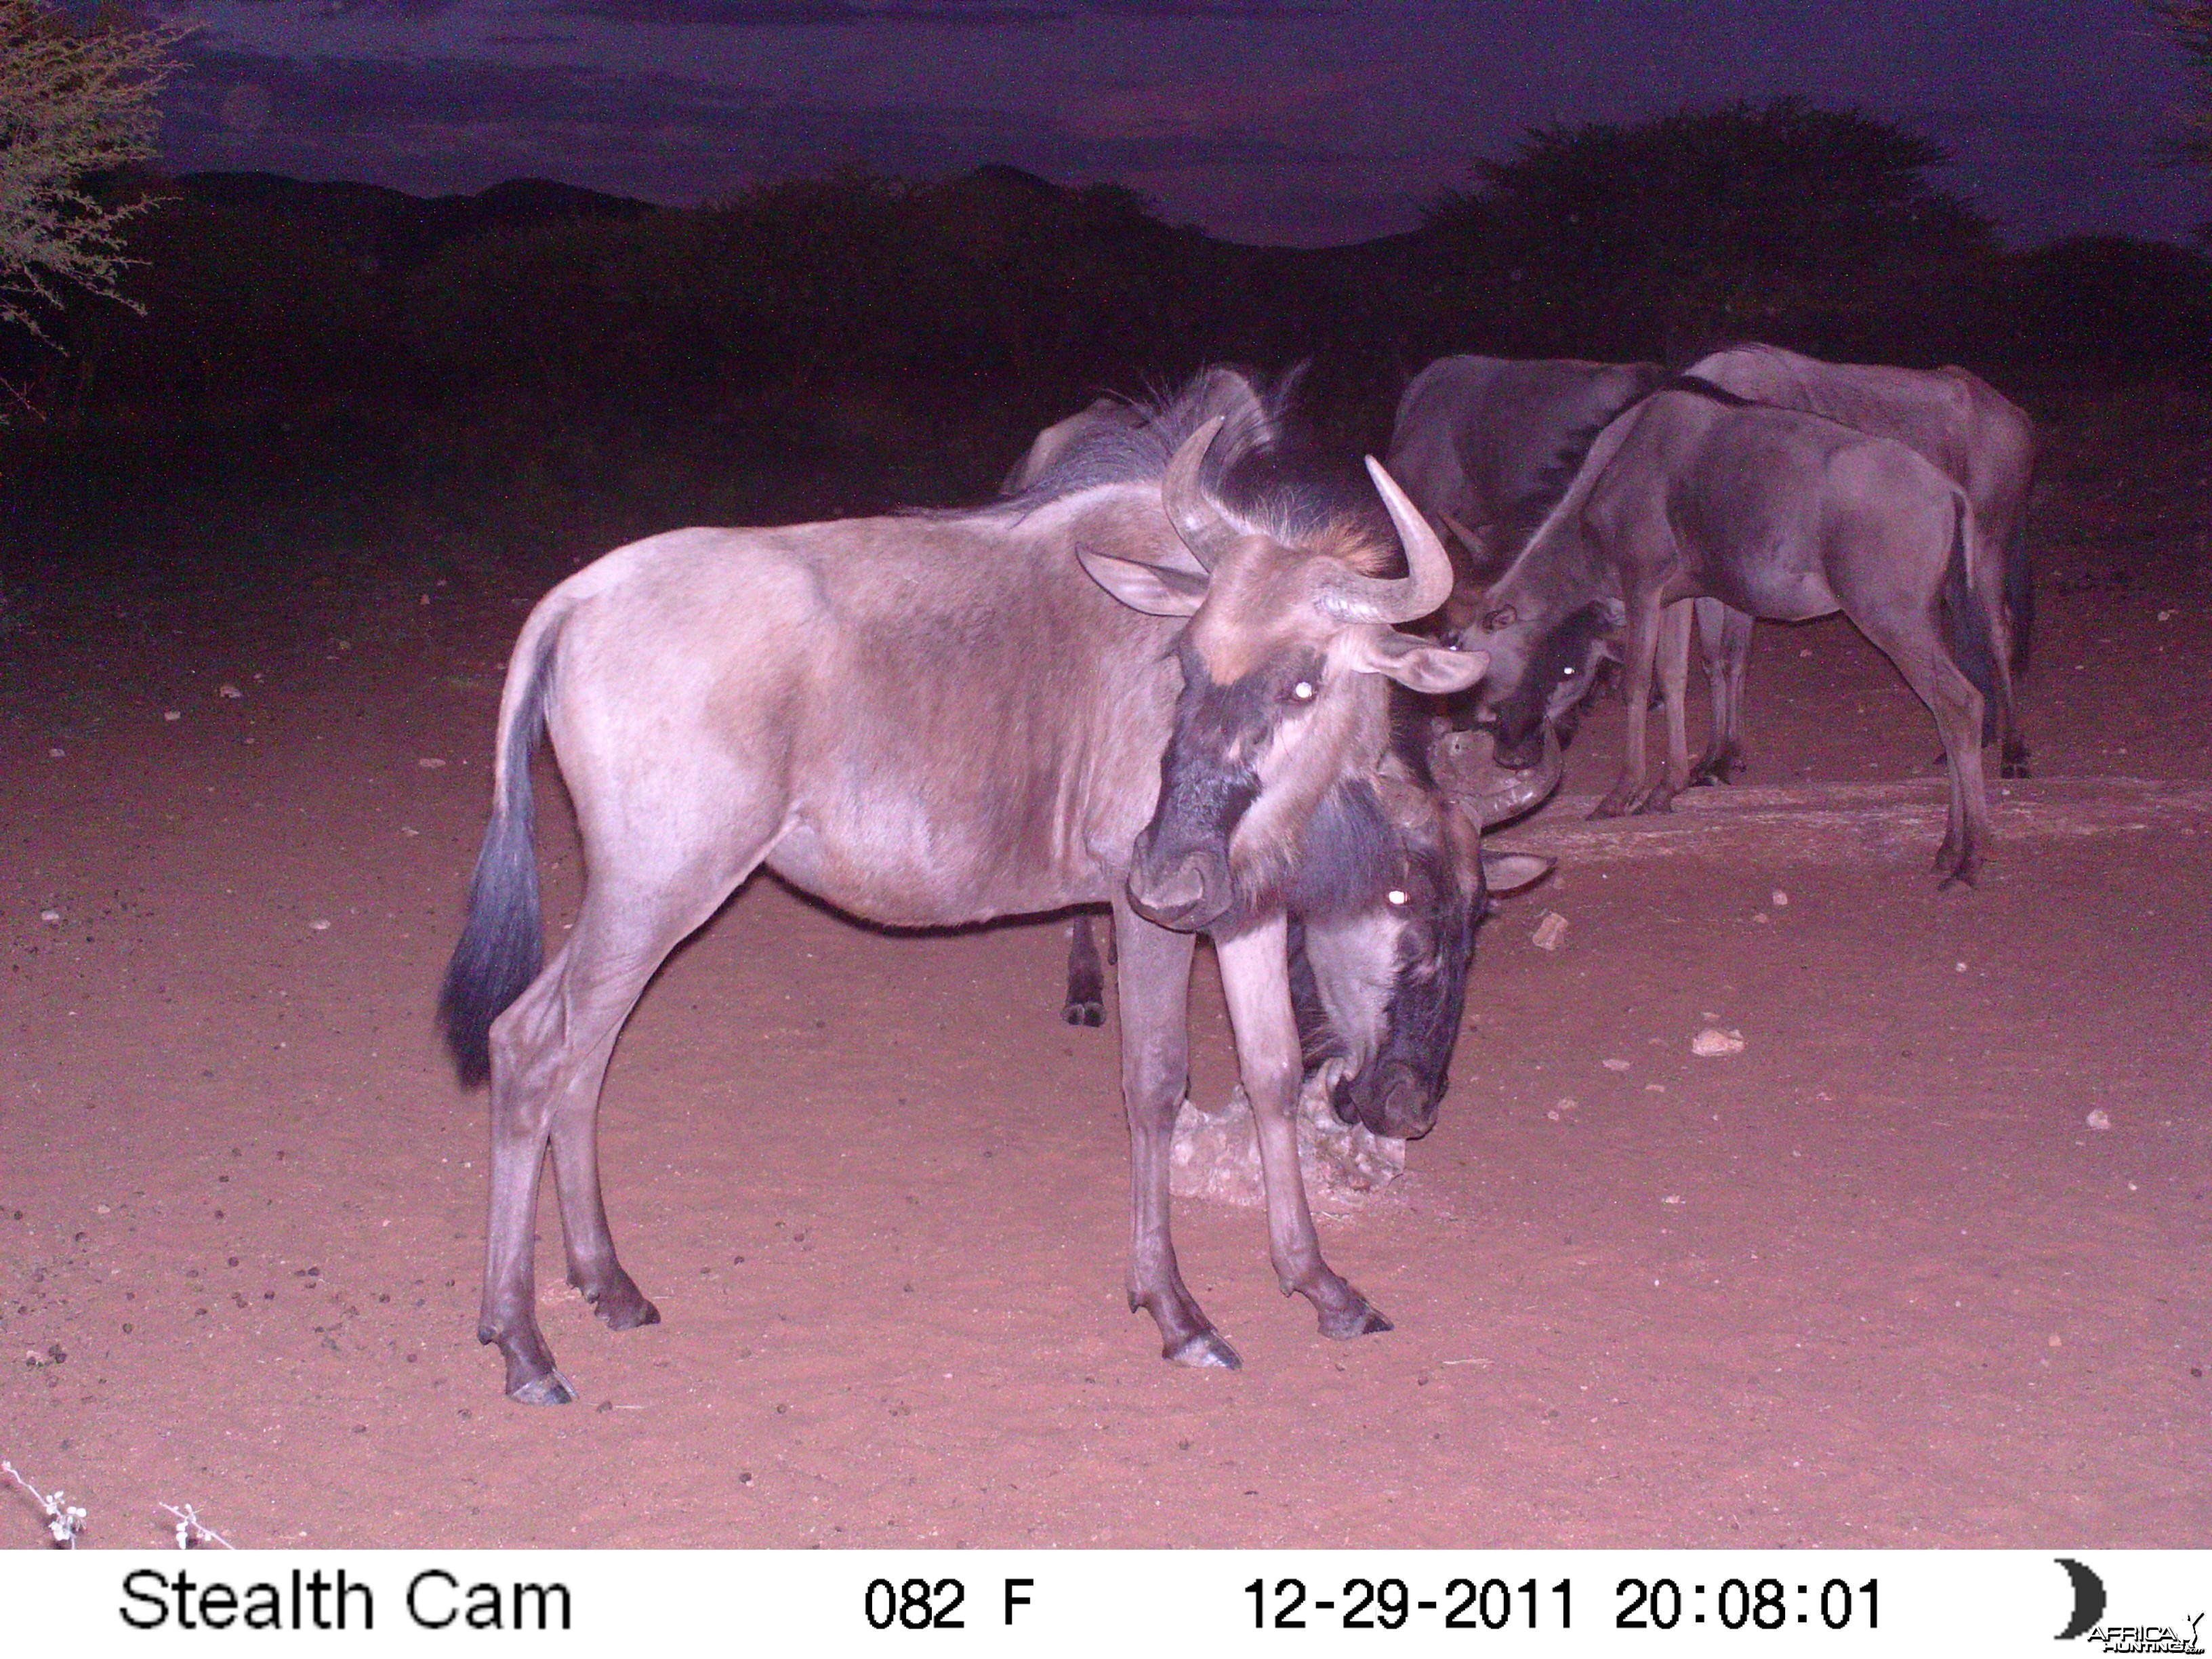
1486	445
1378	994
1381	991
936	720
1697	493
1983	443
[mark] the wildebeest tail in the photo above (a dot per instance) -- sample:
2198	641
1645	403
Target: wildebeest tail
1968	628
502	944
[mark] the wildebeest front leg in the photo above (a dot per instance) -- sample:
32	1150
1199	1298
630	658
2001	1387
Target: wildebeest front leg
1674	688
1640	651
1255	976
1152	977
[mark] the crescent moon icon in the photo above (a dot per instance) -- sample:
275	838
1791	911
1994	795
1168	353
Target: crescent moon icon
2088	1599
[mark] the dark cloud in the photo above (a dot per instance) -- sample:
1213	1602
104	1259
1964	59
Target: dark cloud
1311	129
443	125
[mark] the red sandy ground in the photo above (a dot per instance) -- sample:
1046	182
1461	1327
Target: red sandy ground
1875	1281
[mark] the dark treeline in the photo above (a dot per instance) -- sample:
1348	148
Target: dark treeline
538	338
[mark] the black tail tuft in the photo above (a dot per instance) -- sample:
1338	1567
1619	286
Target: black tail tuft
502	945
1966	627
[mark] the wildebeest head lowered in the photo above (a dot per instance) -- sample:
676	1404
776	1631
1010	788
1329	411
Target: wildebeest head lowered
1291	641
1542	666
1380	992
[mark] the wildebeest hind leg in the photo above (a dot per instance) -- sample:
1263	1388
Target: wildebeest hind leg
1726	635
1255	976
1957	706
1153	977
549	1055
1086	975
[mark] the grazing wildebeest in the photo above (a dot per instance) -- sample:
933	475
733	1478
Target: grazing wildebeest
1486	445
936	720
1379	993
1697	493
1982	442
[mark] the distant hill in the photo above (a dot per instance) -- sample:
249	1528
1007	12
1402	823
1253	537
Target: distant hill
394	229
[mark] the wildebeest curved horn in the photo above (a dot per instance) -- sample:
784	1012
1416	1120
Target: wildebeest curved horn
1467	772
1392	600
1195	519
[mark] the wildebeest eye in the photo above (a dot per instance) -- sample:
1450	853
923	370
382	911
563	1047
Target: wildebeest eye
1503	617
1302	691
1396	896
1569	669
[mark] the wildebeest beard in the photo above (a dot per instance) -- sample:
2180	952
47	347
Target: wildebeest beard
1349	857
1560	672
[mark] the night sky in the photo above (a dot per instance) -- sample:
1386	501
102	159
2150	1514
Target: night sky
1283	121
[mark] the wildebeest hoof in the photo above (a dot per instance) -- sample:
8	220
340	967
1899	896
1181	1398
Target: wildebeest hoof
1363	1320
619	1302
2014	770
1607	808
1206	1350
1659	800
627	1315
550	1389
1084	1013
1957	870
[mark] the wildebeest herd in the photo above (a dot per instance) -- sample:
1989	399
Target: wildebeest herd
1173	671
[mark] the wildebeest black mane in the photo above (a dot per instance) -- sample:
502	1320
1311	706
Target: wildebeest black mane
1262	468
1700	386
1111	452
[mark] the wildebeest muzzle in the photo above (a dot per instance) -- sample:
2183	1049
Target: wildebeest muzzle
1179	874
1391	1099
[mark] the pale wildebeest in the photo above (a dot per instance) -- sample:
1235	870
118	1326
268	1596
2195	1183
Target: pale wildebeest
936	720
1486	445
1971	432
1697	493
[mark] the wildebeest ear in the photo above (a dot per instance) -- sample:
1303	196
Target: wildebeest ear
1419	665
1509	872
1158	590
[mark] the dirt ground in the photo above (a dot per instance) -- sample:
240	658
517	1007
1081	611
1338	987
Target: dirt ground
1876	1280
